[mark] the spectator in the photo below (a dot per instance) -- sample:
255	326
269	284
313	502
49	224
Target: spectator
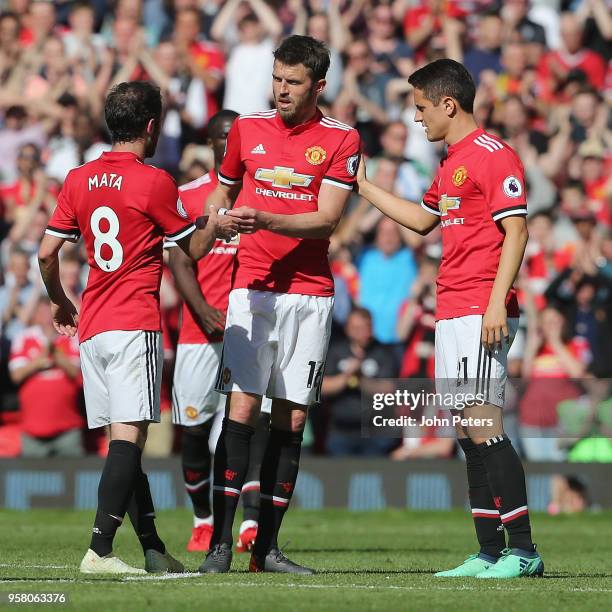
17	131
412	178
552	357
18	296
555	66
387	271
204	59
485	54
46	367
365	90
329	28
353	363
392	56
250	61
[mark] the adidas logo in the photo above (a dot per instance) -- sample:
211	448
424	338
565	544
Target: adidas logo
258	150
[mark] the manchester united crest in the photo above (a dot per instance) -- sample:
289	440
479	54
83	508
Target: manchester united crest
191	412
459	176
315	155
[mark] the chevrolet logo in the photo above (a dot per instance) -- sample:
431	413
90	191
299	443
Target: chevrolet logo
447	203
283	177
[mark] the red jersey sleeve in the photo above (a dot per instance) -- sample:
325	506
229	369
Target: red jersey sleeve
232	168
503	185
166	209
431	198
19	354
343	167
63	221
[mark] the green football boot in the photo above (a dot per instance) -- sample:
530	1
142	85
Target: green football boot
515	563
472	566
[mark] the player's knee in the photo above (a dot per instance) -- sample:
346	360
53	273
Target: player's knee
244	408
288	416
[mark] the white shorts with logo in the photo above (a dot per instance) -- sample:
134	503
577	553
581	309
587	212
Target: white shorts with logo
275	344
463	366
122	373
194	398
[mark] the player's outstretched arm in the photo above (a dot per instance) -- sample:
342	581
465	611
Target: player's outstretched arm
184	272
198	243
318	224
494	322
223	196
65	314
409	214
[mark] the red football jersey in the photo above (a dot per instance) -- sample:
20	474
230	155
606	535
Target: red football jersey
49	400
480	182
282	169
214	270
122	208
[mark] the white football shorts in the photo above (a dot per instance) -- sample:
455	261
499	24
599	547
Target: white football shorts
194	398
463	366
275	344
122	373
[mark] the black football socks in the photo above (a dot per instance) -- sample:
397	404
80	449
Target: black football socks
114	493
142	515
230	469
251	487
489	529
196	462
279	472
507	485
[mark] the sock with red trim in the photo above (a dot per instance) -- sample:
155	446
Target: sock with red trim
196	463
489	529
507	485
250	489
230	469
279	471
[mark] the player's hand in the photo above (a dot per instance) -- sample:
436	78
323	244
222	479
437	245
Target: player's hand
495	327
225	226
361	172
212	320
249	219
65	318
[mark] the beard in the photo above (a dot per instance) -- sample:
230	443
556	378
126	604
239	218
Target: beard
298	110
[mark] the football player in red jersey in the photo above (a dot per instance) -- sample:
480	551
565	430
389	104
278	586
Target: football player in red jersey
196	405
123	209
289	172
478	198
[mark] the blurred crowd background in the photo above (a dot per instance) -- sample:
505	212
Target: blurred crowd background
544	80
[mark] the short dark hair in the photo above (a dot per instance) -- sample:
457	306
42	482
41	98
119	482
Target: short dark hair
129	107
312	53
445	77
361	311
214	125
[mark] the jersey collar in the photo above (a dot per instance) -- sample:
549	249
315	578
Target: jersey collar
120	155
466	140
298	128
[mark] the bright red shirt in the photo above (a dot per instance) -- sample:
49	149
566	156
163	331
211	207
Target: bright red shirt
549	384
591	63
480	182
214	270
209	57
49	400
122	208
282	169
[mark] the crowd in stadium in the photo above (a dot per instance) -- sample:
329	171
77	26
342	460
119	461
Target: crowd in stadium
544	85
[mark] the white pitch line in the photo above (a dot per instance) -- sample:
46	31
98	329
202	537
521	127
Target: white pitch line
29	566
370	587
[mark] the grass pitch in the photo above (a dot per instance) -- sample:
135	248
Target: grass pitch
367	561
